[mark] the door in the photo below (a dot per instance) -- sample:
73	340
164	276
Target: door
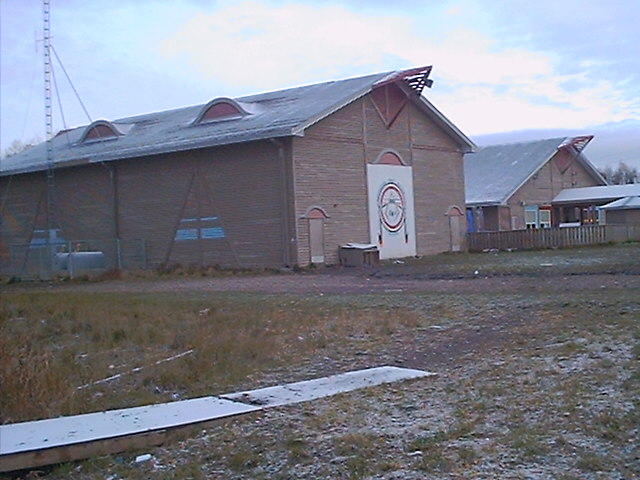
391	210
454	227
316	240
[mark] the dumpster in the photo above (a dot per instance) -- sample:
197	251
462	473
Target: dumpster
359	255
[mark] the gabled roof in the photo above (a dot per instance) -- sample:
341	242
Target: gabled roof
626	203
275	114
494	173
597	194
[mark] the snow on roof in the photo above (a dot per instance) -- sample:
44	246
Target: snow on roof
274	114
626	203
601	193
495	172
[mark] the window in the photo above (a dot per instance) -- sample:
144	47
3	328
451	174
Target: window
199	228
531	216
186	234
212	232
99	130
223	109
544	218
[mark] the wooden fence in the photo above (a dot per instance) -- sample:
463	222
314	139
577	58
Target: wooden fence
552	237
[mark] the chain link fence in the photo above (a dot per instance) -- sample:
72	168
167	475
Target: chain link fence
46	259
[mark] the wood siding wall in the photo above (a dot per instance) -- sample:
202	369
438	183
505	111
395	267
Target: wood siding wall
244	186
546	184
624	217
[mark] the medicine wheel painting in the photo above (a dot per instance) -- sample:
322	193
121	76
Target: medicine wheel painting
392	224
391	206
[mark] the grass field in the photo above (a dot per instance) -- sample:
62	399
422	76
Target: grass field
52	343
619	258
531	384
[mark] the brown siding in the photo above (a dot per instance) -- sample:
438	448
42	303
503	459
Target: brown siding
20	196
242	185
491	220
82	198
330	172
438	182
83	212
547	183
628	217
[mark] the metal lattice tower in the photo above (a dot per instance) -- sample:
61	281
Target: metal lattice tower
48	116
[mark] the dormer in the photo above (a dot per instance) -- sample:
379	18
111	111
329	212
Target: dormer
98	131
223	108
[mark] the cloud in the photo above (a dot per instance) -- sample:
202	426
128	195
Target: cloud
258	46
296	43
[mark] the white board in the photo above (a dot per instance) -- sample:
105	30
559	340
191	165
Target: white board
55	432
392	225
62	431
325	386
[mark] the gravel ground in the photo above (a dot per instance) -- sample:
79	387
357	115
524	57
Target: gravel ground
356	282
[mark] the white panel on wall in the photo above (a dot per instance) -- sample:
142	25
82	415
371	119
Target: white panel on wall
391	211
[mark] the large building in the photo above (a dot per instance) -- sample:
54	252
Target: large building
276	179
512	186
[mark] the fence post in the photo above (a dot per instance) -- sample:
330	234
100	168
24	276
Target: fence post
118	255
144	253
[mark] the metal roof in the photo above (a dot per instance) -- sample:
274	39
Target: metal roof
494	173
597	194
275	114
626	203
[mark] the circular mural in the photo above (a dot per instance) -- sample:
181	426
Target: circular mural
391	206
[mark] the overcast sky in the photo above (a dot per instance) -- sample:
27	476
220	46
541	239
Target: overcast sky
498	66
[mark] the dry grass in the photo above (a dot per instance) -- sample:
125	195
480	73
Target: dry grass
532	405
557	398
51	343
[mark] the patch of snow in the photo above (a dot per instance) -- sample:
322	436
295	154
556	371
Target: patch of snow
143	458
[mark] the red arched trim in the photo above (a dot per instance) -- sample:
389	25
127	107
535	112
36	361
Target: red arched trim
389	157
315	212
454	211
99	130
220	109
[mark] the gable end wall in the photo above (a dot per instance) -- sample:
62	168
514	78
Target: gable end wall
329	164
546	184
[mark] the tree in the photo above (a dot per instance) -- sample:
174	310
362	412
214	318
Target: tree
18	146
621	175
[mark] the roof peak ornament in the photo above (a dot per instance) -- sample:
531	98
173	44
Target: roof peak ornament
415	78
579	143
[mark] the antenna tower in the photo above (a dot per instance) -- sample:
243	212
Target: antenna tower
48	118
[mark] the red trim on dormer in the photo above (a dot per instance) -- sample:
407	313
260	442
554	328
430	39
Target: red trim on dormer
99	130
220	110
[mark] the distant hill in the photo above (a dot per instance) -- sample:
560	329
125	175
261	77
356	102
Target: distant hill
613	142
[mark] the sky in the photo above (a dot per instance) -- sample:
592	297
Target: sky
497	65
